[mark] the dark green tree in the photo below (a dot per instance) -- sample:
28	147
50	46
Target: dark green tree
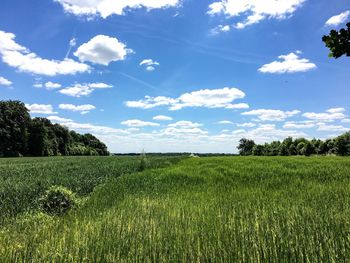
342	144
338	42
246	146
42	141
14	121
308	149
258	150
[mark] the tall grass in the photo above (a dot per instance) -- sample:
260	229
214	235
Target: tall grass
236	209
23	180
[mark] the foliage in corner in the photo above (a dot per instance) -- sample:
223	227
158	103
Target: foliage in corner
338	42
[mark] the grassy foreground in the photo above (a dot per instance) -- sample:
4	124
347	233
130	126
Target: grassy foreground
228	209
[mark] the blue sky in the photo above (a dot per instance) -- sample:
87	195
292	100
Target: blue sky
172	75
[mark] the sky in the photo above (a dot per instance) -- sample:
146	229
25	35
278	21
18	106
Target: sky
178	75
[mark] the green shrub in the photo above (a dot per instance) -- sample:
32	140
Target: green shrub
143	161
57	200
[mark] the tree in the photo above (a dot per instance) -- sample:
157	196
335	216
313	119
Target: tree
245	146
292	150
258	150
330	146
14	121
275	148
64	138
20	135
308	149
338	42
300	148
342	144
41	139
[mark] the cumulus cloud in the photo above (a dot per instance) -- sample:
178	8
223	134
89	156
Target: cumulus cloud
338	19
48	85
102	50
185	124
51	85
271	115
246	125
105	8
182	131
21	58
225	122
219	29
150	64
83	109
255	11
162	118
94	129
5	82
336	110
40	108
328	116
80	90
290	63
332	128
139	123
299	125
207	98
57	119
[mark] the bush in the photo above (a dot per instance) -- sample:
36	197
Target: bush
57	200
143	161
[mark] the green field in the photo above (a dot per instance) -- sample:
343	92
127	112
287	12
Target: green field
227	209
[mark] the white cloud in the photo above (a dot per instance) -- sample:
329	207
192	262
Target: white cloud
57	119
336	110
102	50
338	19
139	123
83	109
328	116
185	124
150	64
219	29
5	82
290	63
151	102
215	98
20	57
51	85
299	125
345	121
38	85
79	90
255	11
95	129
162	118
105	8
332	128
73	42
246	125
48	85
225	122
271	115
40	108
182	131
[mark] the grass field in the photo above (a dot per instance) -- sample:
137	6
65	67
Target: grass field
227	209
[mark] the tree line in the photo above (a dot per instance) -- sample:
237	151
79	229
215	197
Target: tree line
20	135
301	146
